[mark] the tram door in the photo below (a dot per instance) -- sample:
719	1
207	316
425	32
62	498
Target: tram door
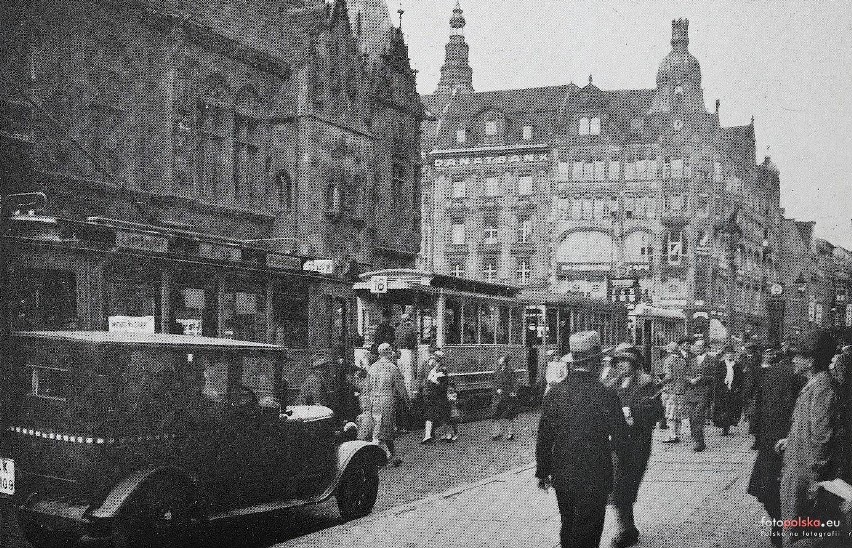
535	338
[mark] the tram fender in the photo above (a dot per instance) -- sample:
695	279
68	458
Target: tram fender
125	489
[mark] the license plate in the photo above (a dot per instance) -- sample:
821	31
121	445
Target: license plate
7	476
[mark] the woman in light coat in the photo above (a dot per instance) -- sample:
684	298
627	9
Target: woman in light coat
386	386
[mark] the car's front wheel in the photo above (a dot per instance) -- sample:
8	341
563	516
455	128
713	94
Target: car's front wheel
356	494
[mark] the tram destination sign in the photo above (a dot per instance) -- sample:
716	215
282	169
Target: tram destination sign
141	241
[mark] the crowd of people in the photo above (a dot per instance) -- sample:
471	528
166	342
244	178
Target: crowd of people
601	408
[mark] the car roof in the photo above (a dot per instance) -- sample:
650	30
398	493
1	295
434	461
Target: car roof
146	339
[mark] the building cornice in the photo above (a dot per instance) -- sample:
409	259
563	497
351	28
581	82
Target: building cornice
487	149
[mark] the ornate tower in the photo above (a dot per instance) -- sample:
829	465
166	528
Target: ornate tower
679	76
456	74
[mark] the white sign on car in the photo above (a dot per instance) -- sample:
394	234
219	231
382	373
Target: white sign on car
7	476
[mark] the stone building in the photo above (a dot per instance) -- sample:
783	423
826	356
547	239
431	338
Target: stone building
253	140
635	195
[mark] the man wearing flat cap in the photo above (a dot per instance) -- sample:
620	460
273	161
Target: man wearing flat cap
700	369
581	425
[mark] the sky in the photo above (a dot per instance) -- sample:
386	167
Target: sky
787	63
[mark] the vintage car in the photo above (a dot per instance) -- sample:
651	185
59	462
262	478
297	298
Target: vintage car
127	439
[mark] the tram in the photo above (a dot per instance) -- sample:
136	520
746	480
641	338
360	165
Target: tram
652	328
475	322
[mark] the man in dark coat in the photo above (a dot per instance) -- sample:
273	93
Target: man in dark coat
777	393
640	403
384	332
581	424
751	359
808	447
699	384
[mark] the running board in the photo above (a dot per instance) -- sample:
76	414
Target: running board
267	507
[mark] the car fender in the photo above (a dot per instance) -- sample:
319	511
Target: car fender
349	450
121	493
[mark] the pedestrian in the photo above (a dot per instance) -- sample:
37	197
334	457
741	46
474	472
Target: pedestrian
640	403
437	409
556	370
751	362
727	391
674	387
777	396
808	446
581	424
504	399
455	412
406	342
699	383
384	332
843	378
386	387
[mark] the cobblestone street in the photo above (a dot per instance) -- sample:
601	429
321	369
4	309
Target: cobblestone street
687	499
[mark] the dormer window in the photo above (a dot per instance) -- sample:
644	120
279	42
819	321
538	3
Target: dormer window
595	126
589	126
461	136
528	133
491	128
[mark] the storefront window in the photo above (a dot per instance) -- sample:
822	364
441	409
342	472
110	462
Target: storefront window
244	311
290	318
43	300
503	325
194	309
486	324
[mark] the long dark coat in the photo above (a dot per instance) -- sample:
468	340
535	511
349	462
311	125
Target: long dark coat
581	424
727	402
777	388
435	397
642	397
751	360
504	397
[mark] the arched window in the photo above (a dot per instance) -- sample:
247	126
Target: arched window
595	126
333	199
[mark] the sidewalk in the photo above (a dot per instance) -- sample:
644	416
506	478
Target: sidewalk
694	500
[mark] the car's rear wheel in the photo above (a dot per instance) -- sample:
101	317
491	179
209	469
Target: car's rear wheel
356	494
156	517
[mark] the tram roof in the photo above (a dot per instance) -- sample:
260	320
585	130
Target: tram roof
146	339
643	309
411	278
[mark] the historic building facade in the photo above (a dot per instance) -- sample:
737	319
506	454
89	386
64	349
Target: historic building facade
624	194
253	143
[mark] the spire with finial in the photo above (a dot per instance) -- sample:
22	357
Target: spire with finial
590	79
680	34
456	73
400	11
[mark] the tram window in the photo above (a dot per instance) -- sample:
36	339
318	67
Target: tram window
427	326
486	324
259	376
471	323
290	317
503	325
552	328
43	299
517	328
452	322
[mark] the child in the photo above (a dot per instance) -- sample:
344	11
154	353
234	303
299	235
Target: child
454	415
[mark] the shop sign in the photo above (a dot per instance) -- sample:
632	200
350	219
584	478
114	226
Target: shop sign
323	266
141	241
512	159
277	260
849	315
132	324
220	252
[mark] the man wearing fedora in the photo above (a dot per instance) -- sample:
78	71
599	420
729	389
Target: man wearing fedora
581	425
700	369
